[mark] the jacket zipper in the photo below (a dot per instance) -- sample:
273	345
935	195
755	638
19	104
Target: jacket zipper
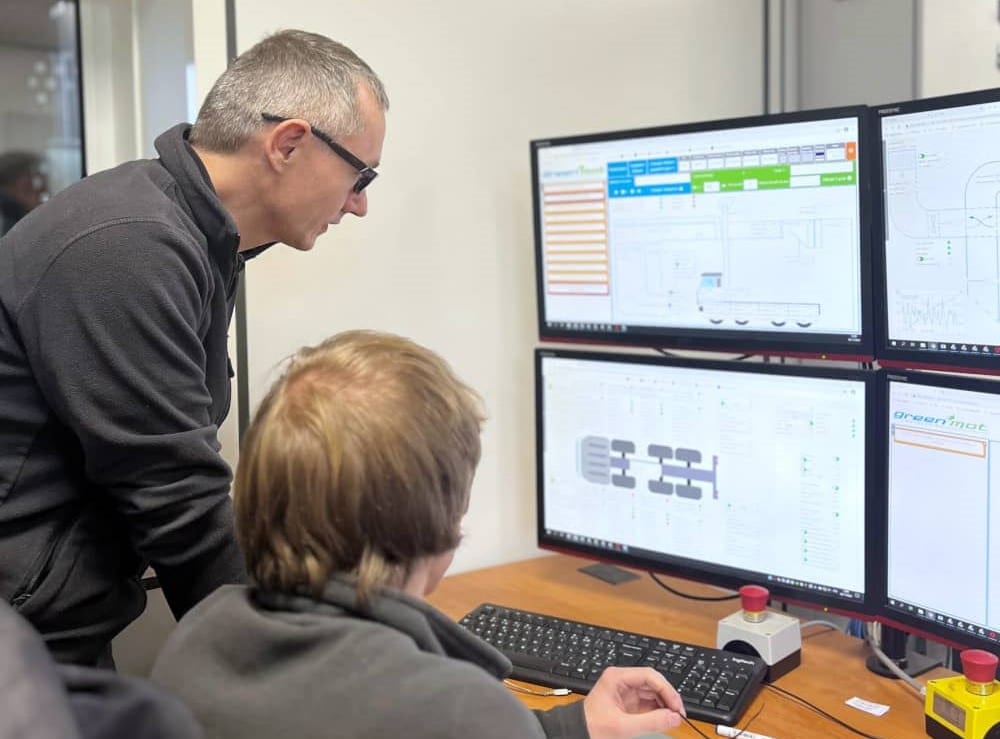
42	565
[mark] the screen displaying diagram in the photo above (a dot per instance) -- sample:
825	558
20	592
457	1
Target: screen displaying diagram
744	229
758	472
942	480
942	184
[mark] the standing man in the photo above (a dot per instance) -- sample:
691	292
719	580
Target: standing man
115	300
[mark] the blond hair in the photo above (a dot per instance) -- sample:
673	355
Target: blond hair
359	460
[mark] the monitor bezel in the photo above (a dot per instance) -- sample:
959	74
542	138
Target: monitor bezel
823	346
899	357
694	570
884	612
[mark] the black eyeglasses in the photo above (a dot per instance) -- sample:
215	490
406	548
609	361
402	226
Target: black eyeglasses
365	173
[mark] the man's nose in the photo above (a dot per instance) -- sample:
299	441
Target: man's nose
357	203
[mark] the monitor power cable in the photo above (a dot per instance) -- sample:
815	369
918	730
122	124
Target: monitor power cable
873	642
708	598
819	622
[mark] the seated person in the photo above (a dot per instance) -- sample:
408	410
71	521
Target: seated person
351	485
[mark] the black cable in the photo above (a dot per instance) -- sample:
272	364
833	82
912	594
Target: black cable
695	728
740	733
816	709
664	352
710	598
753	718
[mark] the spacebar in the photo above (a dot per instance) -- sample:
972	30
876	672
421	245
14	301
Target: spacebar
530	661
548	678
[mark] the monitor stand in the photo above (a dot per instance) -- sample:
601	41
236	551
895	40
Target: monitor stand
608	573
894	646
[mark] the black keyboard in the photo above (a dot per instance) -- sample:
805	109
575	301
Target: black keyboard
716	685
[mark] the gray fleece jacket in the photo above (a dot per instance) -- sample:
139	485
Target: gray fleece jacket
261	665
115	299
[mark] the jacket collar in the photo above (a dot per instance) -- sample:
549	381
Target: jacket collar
178	157
430	629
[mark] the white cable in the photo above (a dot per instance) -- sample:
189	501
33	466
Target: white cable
820	622
892	666
541	693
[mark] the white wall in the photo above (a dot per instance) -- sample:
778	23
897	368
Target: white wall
445	255
164	52
848	53
958	46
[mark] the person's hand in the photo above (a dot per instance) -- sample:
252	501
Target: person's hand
627	701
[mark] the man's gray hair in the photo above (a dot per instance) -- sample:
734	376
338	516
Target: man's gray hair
292	74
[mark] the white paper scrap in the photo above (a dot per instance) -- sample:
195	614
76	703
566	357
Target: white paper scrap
875	709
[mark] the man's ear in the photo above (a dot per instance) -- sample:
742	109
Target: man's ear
282	142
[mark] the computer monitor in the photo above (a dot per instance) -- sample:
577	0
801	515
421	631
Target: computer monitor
942	522
727	473
938	254
744	235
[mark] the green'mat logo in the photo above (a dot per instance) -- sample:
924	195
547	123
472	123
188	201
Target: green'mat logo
949	422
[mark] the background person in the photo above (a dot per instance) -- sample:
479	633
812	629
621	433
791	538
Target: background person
23	186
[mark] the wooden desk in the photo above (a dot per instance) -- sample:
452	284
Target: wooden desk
832	669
